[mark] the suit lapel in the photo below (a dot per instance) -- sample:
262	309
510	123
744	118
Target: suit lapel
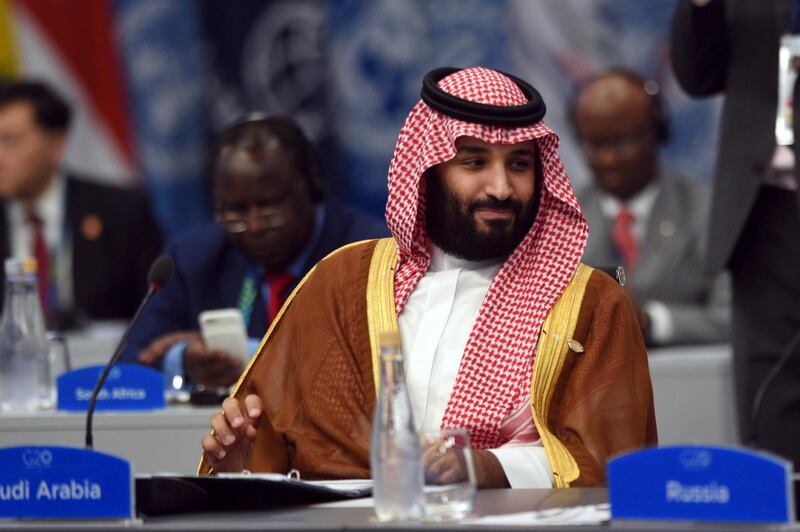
84	261
600	251
666	234
329	237
85	257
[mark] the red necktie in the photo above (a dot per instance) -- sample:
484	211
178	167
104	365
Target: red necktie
624	240
39	246
277	283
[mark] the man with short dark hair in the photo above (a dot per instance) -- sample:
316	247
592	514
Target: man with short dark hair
273	223
504	332
646	217
93	243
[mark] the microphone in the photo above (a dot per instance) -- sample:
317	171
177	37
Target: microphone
160	273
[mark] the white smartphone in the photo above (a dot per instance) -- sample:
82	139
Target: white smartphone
224	329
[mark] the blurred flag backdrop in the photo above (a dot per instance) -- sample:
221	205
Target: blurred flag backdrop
153	80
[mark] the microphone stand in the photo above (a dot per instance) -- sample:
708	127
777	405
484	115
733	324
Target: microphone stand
114	358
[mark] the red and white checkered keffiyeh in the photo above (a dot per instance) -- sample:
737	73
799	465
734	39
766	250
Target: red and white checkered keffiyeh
496	367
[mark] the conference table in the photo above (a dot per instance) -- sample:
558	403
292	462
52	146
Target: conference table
692	386
553	505
694	404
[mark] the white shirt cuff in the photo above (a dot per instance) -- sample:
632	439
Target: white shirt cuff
173	367
662	326
525	466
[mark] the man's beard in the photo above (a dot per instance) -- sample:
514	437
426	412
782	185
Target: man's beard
451	224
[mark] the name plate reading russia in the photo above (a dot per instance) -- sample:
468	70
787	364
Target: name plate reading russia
699	483
63	482
129	387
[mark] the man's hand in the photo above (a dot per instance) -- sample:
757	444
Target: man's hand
200	365
448	466
209	367
234	429
158	348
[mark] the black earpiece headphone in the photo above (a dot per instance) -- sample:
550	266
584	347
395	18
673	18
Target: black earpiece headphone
661	126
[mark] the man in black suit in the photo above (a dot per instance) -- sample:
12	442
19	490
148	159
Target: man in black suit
722	46
274	222
93	242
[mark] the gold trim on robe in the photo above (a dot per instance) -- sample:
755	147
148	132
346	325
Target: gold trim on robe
381	315
551	352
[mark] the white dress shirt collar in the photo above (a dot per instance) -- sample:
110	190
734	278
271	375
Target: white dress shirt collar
442	261
50	206
640	205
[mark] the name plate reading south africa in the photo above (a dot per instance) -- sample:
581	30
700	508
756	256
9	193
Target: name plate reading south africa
129	387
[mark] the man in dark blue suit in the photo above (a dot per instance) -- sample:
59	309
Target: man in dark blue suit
273	224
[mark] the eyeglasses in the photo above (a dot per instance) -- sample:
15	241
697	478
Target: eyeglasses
624	147
237	221
271	214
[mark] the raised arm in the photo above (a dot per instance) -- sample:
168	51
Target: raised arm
700	46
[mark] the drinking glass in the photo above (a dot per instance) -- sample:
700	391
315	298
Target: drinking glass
449	474
56	363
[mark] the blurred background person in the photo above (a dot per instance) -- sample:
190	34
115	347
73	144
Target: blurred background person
274	222
94	243
732	48
645	217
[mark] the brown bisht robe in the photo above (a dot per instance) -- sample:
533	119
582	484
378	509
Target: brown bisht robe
591	393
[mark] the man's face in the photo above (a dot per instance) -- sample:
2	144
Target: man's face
481	203
29	155
264	203
614	119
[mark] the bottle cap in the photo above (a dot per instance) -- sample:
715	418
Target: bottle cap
389	339
16	266
29	265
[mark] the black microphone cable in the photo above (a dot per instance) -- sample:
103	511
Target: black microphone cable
764	387
160	273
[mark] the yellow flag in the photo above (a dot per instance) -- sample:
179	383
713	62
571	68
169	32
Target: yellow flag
9	62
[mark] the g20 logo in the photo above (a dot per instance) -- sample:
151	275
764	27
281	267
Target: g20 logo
37	457
695	459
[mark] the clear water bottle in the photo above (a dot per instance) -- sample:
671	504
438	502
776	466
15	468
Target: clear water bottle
396	453
24	376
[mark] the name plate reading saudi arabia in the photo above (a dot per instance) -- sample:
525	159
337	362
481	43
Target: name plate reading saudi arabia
699	483
129	387
63	482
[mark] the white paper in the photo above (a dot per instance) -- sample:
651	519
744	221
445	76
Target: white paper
364	502
592	514
343	485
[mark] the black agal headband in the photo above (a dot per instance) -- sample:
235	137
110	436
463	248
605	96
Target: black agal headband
482	113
